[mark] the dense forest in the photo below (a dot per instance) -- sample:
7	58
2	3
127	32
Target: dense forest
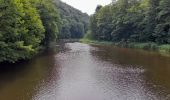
74	22
125	21
28	26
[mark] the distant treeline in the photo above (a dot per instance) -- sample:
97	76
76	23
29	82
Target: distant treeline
28	26
132	21
74	22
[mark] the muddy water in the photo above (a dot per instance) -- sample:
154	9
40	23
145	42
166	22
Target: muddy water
79	71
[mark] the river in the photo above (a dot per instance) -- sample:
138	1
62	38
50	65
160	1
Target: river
77	71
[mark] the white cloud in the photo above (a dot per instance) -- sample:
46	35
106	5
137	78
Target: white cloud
87	6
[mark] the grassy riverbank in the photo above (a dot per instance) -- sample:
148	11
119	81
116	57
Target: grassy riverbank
163	48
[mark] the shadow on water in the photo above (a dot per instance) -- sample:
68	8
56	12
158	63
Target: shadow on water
77	71
10	72
20	81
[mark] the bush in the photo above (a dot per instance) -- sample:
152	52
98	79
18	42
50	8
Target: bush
164	48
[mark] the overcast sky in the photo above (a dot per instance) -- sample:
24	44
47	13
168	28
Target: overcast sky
87	6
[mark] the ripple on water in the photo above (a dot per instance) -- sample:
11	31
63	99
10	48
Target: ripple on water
85	76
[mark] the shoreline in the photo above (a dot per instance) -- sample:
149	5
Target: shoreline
163	49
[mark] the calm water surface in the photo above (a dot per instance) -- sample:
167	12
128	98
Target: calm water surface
79	71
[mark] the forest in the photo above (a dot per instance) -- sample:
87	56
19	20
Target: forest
29	26
50	50
75	23
132	21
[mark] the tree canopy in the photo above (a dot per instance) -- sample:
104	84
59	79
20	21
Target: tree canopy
25	25
28	26
132	21
74	22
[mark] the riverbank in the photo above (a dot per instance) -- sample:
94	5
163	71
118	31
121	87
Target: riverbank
163	49
96	42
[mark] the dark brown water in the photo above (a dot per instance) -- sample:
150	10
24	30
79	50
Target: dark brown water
79	71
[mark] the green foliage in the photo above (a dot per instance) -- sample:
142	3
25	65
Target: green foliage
146	21
164	48
104	26
88	35
148	46
26	26
162	30
50	19
74	22
93	26
21	30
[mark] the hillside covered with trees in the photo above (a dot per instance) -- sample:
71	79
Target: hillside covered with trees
132	21
28	26
74	22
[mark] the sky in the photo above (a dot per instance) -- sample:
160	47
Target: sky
86	6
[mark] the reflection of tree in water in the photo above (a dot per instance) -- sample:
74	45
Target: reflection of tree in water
21	81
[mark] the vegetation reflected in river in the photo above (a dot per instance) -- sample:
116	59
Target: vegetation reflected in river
22	81
87	72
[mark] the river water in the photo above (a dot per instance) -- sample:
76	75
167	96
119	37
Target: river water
77	71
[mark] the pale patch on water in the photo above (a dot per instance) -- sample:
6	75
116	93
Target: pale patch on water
85	76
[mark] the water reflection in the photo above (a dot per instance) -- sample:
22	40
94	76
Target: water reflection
104	73
21	81
88	72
